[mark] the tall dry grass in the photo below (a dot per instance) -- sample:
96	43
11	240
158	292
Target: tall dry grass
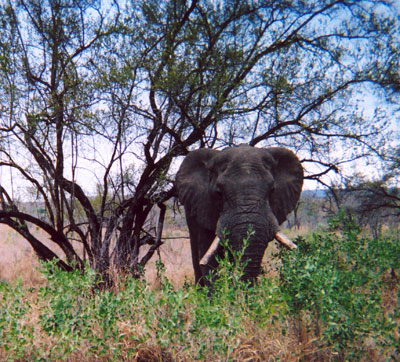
18	260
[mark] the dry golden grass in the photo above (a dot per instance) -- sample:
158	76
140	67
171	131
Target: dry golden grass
175	254
18	260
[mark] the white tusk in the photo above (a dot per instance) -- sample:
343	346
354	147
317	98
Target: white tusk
282	238
285	241
211	250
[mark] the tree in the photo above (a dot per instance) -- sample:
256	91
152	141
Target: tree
370	203
373	202
125	89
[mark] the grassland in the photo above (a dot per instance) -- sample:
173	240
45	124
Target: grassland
336	298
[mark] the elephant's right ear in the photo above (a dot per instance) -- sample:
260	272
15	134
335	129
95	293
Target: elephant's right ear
193	186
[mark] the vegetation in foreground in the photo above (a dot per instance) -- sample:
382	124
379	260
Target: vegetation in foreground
336	298
100	99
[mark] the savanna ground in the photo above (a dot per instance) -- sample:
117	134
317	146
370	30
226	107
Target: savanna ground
335	298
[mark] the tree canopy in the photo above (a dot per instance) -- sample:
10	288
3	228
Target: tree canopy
108	95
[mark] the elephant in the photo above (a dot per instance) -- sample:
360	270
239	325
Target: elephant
228	190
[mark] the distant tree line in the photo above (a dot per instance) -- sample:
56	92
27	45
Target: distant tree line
371	205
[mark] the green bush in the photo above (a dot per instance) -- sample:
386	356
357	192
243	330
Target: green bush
338	278
15	337
76	317
211	319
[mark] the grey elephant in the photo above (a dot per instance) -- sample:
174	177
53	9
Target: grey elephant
230	190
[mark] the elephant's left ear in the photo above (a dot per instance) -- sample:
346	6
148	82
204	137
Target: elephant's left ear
288	175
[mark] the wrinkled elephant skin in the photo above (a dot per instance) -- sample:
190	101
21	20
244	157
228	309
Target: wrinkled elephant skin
233	189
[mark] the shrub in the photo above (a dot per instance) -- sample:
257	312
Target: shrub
335	283
338	279
15	337
76	319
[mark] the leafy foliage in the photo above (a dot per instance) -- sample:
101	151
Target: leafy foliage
339	280
16	336
334	284
106	97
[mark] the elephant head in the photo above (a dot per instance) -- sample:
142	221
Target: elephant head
232	189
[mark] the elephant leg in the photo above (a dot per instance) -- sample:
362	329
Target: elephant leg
200	241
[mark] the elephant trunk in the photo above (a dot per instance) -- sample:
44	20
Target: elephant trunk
263	227
256	244
238	222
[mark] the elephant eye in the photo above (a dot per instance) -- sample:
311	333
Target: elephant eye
272	189
218	190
